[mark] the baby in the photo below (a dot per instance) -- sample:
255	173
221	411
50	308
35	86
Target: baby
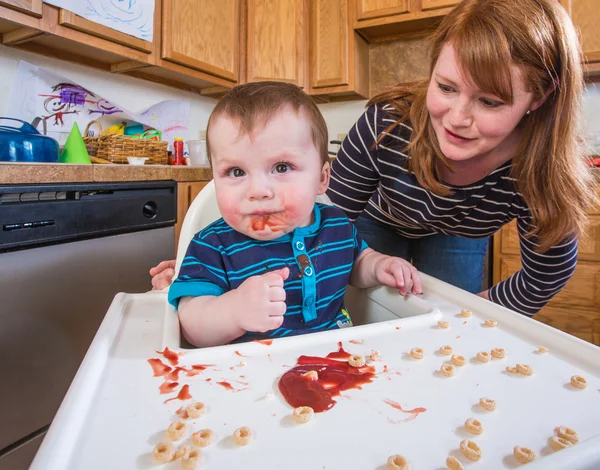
277	263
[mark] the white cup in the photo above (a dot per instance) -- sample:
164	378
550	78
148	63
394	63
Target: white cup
197	151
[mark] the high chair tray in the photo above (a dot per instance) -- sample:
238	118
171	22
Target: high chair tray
114	413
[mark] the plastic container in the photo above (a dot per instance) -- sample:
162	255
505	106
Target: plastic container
198	154
24	143
178	151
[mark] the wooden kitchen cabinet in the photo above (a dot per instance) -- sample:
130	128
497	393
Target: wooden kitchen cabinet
186	193
30	7
586	18
433	4
368	9
203	35
339	57
276	41
576	309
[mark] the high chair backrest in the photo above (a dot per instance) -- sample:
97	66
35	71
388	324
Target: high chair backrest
202	212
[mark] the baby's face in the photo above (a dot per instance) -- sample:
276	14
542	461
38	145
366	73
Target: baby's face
267	183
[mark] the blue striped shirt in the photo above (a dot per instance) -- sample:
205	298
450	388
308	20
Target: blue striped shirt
320	258
374	179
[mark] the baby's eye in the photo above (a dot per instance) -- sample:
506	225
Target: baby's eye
282	168
235	172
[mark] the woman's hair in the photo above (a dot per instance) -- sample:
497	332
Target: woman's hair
254	104
488	37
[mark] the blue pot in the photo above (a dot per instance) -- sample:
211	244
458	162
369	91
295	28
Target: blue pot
25	143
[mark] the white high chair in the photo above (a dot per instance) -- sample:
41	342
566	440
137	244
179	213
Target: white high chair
364	305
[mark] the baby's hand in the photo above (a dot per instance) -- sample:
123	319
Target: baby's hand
398	274
261	301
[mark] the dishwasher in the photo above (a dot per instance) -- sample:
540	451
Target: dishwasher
65	251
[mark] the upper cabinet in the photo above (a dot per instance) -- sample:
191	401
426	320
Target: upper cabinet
368	9
276	41
433	4
203	35
586	17
30	7
339	57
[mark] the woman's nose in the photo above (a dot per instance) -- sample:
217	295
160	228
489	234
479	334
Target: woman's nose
460	114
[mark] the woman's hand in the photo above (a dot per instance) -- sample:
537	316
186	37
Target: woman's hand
162	275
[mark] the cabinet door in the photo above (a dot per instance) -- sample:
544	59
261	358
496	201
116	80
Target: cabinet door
329	43
204	35
277	40
69	19
368	9
433	4
31	7
586	18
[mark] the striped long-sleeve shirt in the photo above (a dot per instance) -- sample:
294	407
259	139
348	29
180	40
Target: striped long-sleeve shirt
374	179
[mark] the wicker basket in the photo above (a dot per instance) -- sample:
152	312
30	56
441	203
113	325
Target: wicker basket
116	147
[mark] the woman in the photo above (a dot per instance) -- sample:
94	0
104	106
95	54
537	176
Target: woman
433	168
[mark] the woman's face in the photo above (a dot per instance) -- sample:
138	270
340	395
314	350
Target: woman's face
468	122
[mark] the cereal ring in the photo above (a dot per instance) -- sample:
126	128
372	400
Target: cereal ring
483	356
195	410
542	350
311	375
498	353
466	313
447	370
181	453
242	436
375	355
417	353
443	324
453	463
568	434
176	431
559	443
512	370
487	404
579	382
473	426
397	462
458	360
356	360
191	461
203	438
491	323
446	350
524	369
470	450
524	454
163	452
303	414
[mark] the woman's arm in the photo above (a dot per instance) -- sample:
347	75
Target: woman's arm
541	277
354	173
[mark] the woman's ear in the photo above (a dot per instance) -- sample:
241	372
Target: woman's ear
536	104
325	174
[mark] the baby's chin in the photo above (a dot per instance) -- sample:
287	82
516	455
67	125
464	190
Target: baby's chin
266	233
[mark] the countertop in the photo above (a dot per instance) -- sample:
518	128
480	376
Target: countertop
28	173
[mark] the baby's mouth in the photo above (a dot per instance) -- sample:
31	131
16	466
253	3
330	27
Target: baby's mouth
265	220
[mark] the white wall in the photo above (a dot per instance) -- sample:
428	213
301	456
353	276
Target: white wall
340	117
131	93
591	115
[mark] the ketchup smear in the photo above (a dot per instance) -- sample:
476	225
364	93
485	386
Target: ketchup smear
335	376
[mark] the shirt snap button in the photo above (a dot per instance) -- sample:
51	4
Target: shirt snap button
308	271
309	301
299	246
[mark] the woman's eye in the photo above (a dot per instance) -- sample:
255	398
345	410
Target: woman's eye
445	88
488	103
236	172
282	168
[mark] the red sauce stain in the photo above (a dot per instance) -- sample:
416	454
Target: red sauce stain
464	323
237	353
259	224
160	369
209	379
226	385
357	341
397	327
340	353
184	394
458	337
202	367
242	376
414	412
170	356
266	342
183	413
335	376
168	387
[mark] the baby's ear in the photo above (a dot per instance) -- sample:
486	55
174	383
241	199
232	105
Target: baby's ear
325	174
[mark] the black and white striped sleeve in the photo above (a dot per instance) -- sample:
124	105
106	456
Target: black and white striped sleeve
354	173
542	275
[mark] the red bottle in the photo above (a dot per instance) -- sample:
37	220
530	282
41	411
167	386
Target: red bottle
178	151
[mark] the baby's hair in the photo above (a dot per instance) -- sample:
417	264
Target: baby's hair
254	104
